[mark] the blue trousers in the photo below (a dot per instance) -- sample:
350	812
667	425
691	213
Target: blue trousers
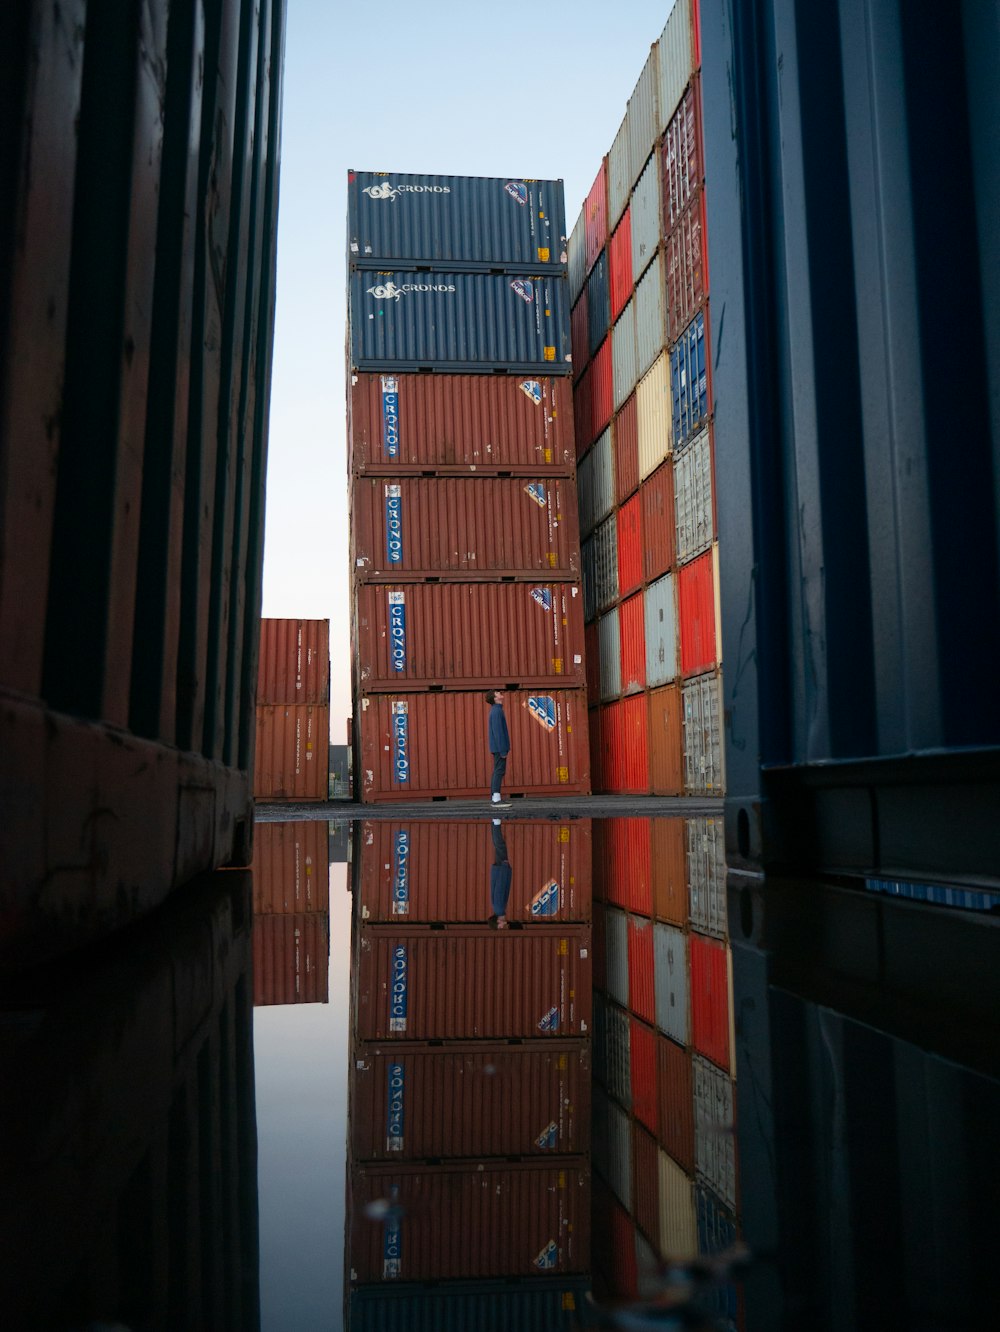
499	768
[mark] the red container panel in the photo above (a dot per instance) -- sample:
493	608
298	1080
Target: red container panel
291	959
658	522
682	157
696	613
625	746
579	331
710	999
457	422
595	216
646	1185
583	412
643	1072
632	632
294	661
624	1277
687	267
292	756
603	387
622	860
641	995
591	645
481	525
472	983
291	867
676	1101
410	1102
436	745
471	1220
620	265
427	872
629	518
467	635
626	449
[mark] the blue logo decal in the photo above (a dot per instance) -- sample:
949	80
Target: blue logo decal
393	524
392	1240
546	901
536	491
394	1112
548	1256
401	877
543	708
397	630
542	596
401	741
524	289
548	1137
390	416
517	190
400	986
550	1022
533	389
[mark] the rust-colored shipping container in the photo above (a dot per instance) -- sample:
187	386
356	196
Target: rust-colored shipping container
413	1102
710	999
467	635
629	519
291	867
646	1185
469	1220
622	853
454	423
687	267
625	745
427	872
682	157
595	216
642	1072
620	265
292	758
579	332
666	740
602	374
669	861
472	983
696	615
583	412
591	645
291	956
641	998
624	1276
626	449
436	744
676	1101
632	633
658	521
294	661
480	526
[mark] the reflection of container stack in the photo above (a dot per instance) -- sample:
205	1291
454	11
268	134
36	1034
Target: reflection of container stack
293	711
464	539
469	1098
639	281
291	905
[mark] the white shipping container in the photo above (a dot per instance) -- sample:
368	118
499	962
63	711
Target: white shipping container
660	613
654	420
678	1221
624	360
703	760
671	981
650	329
619	1154
676	58
706	869
693	498
616	954
645	218
619	1037
610	654
596	484
605	541
642	116
619	176
576	257
714	1128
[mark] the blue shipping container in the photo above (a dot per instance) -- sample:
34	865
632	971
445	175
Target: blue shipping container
476	322
462	223
532	1305
716	1234
598	303
689	381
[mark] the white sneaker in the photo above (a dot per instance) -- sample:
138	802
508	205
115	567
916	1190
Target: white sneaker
496	823
495	797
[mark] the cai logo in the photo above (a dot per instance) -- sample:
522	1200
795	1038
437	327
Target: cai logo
400	742
390	416
398	991
394	524
550	1022
397	630
401	874
542	596
536	491
532	389
524	289
394	1110
548	1137
517	190
391	192
546	901
388	291
542	707
548	1257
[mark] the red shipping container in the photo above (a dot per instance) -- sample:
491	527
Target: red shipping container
294	661
626	450
629	519
686	284
472	983
682	157
425	872
468	635
414	1101
668	838
623	1276
643	1073
291	867
451	423
675	1094
481	526
595	742
595	216
632	633
291	959
603	387
646	1185
435	745
641	997
599	947
583	412
625	746
710	999
666	741
580	335
593	661
292	756
620	265
469	1220
696	615
658	521
622	849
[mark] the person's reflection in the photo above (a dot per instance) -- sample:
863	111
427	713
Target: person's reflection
501	875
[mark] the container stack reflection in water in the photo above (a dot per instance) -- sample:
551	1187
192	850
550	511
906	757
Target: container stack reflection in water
291	928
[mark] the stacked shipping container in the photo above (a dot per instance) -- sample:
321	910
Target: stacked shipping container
291	913
293	711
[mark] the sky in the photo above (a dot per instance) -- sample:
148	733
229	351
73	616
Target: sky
436	89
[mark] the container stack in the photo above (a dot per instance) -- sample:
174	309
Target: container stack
469	1108
293	711
644	435
291	913
464	528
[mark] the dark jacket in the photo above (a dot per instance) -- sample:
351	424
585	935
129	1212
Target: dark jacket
499	735
500	881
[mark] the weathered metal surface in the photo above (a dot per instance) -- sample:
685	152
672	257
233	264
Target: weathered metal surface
657	495
673	983
641	999
642	1044
678	1222
645	218
689	383
710	999
693	498
633	644
598	303
620	265
602	368
714	1128
579	334
666	734
654	415
294	661
650	315
291	955
595	213
619	174
576	255
293	752
706	870
670	895
681	155
625	745
291	867
686	267
629	520
626	450
616	963
676	60
675	1101
624	355
646	1187
696	615
595	480
661	631
622	861
642	117
704	759
609	647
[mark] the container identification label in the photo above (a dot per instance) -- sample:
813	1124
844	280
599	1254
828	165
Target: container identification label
542	707
523	288
401	874
532	389
548	1138
550	1022
390	416
399	989
392	1240
546	901
548	1257
394	524
394	1109
541	596
536	491
397	630
400	741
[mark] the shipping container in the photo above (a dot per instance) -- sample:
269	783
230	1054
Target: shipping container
619	175
666	735
460	423
429	872
294	661
534	1304
669	860
468	634
645	1185
642	116
418	1102
623	1277
633	644
472	983
625	746
396	220
599	1034
595	212
654	416
717	1228
704	771
596	484
609	648
619	1054
617	1155
689	383
603	387
675	60
620	265
657	493
623	356
476	1219
672	981
706	870
443	320
576	256
641	996
292	759
626	449
645	218
676	1101
650	325
583	412
714	1129
291	867
696	615
616	944
291	957
686	266
598	303
434	744
710	999
661	631
482	525
593	664
643	1070
579	334
678	1222
693	501
681	154
629	520
622	858
599	944
604	566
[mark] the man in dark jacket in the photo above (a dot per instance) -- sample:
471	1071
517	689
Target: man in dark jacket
501	875
499	741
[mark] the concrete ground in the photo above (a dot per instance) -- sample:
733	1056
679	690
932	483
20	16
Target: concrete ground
552	807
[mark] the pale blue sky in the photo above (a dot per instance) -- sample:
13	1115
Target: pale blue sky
518	89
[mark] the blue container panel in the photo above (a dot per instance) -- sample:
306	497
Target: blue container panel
534	1305
598	303
459	321
395	219
716	1234
689	381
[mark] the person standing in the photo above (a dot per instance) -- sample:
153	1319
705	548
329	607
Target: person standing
499	742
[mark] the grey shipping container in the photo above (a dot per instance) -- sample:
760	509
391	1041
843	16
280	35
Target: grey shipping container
714	1128
443	320
610	652
619	1038
703	759
624	359
576	255
596	484
588	565
676	60
671	981
650	330
606	563
454	222
642	116
693	498
706	871
660	613
599	1038
619	175
616	945
618	1154
645	218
